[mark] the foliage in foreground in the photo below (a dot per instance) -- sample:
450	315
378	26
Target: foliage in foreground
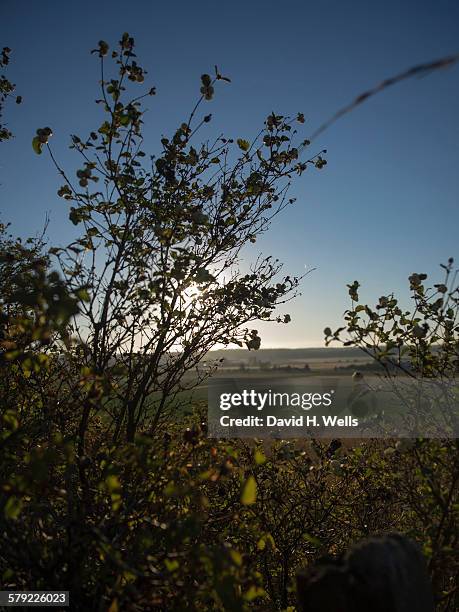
177	521
184	522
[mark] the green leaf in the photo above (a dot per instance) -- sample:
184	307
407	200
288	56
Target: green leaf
74	216
13	507
243	144
261	544
104	128
259	457
236	557
203	276
253	592
82	294
266	540
254	343
171	565
205	80
112	483
312	539
249	492
36	145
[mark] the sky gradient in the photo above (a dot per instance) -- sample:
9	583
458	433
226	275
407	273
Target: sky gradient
386	204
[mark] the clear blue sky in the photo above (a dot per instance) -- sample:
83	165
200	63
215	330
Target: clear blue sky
387	203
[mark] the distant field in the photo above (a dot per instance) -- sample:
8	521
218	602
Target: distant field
316	366
316	358
320	376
